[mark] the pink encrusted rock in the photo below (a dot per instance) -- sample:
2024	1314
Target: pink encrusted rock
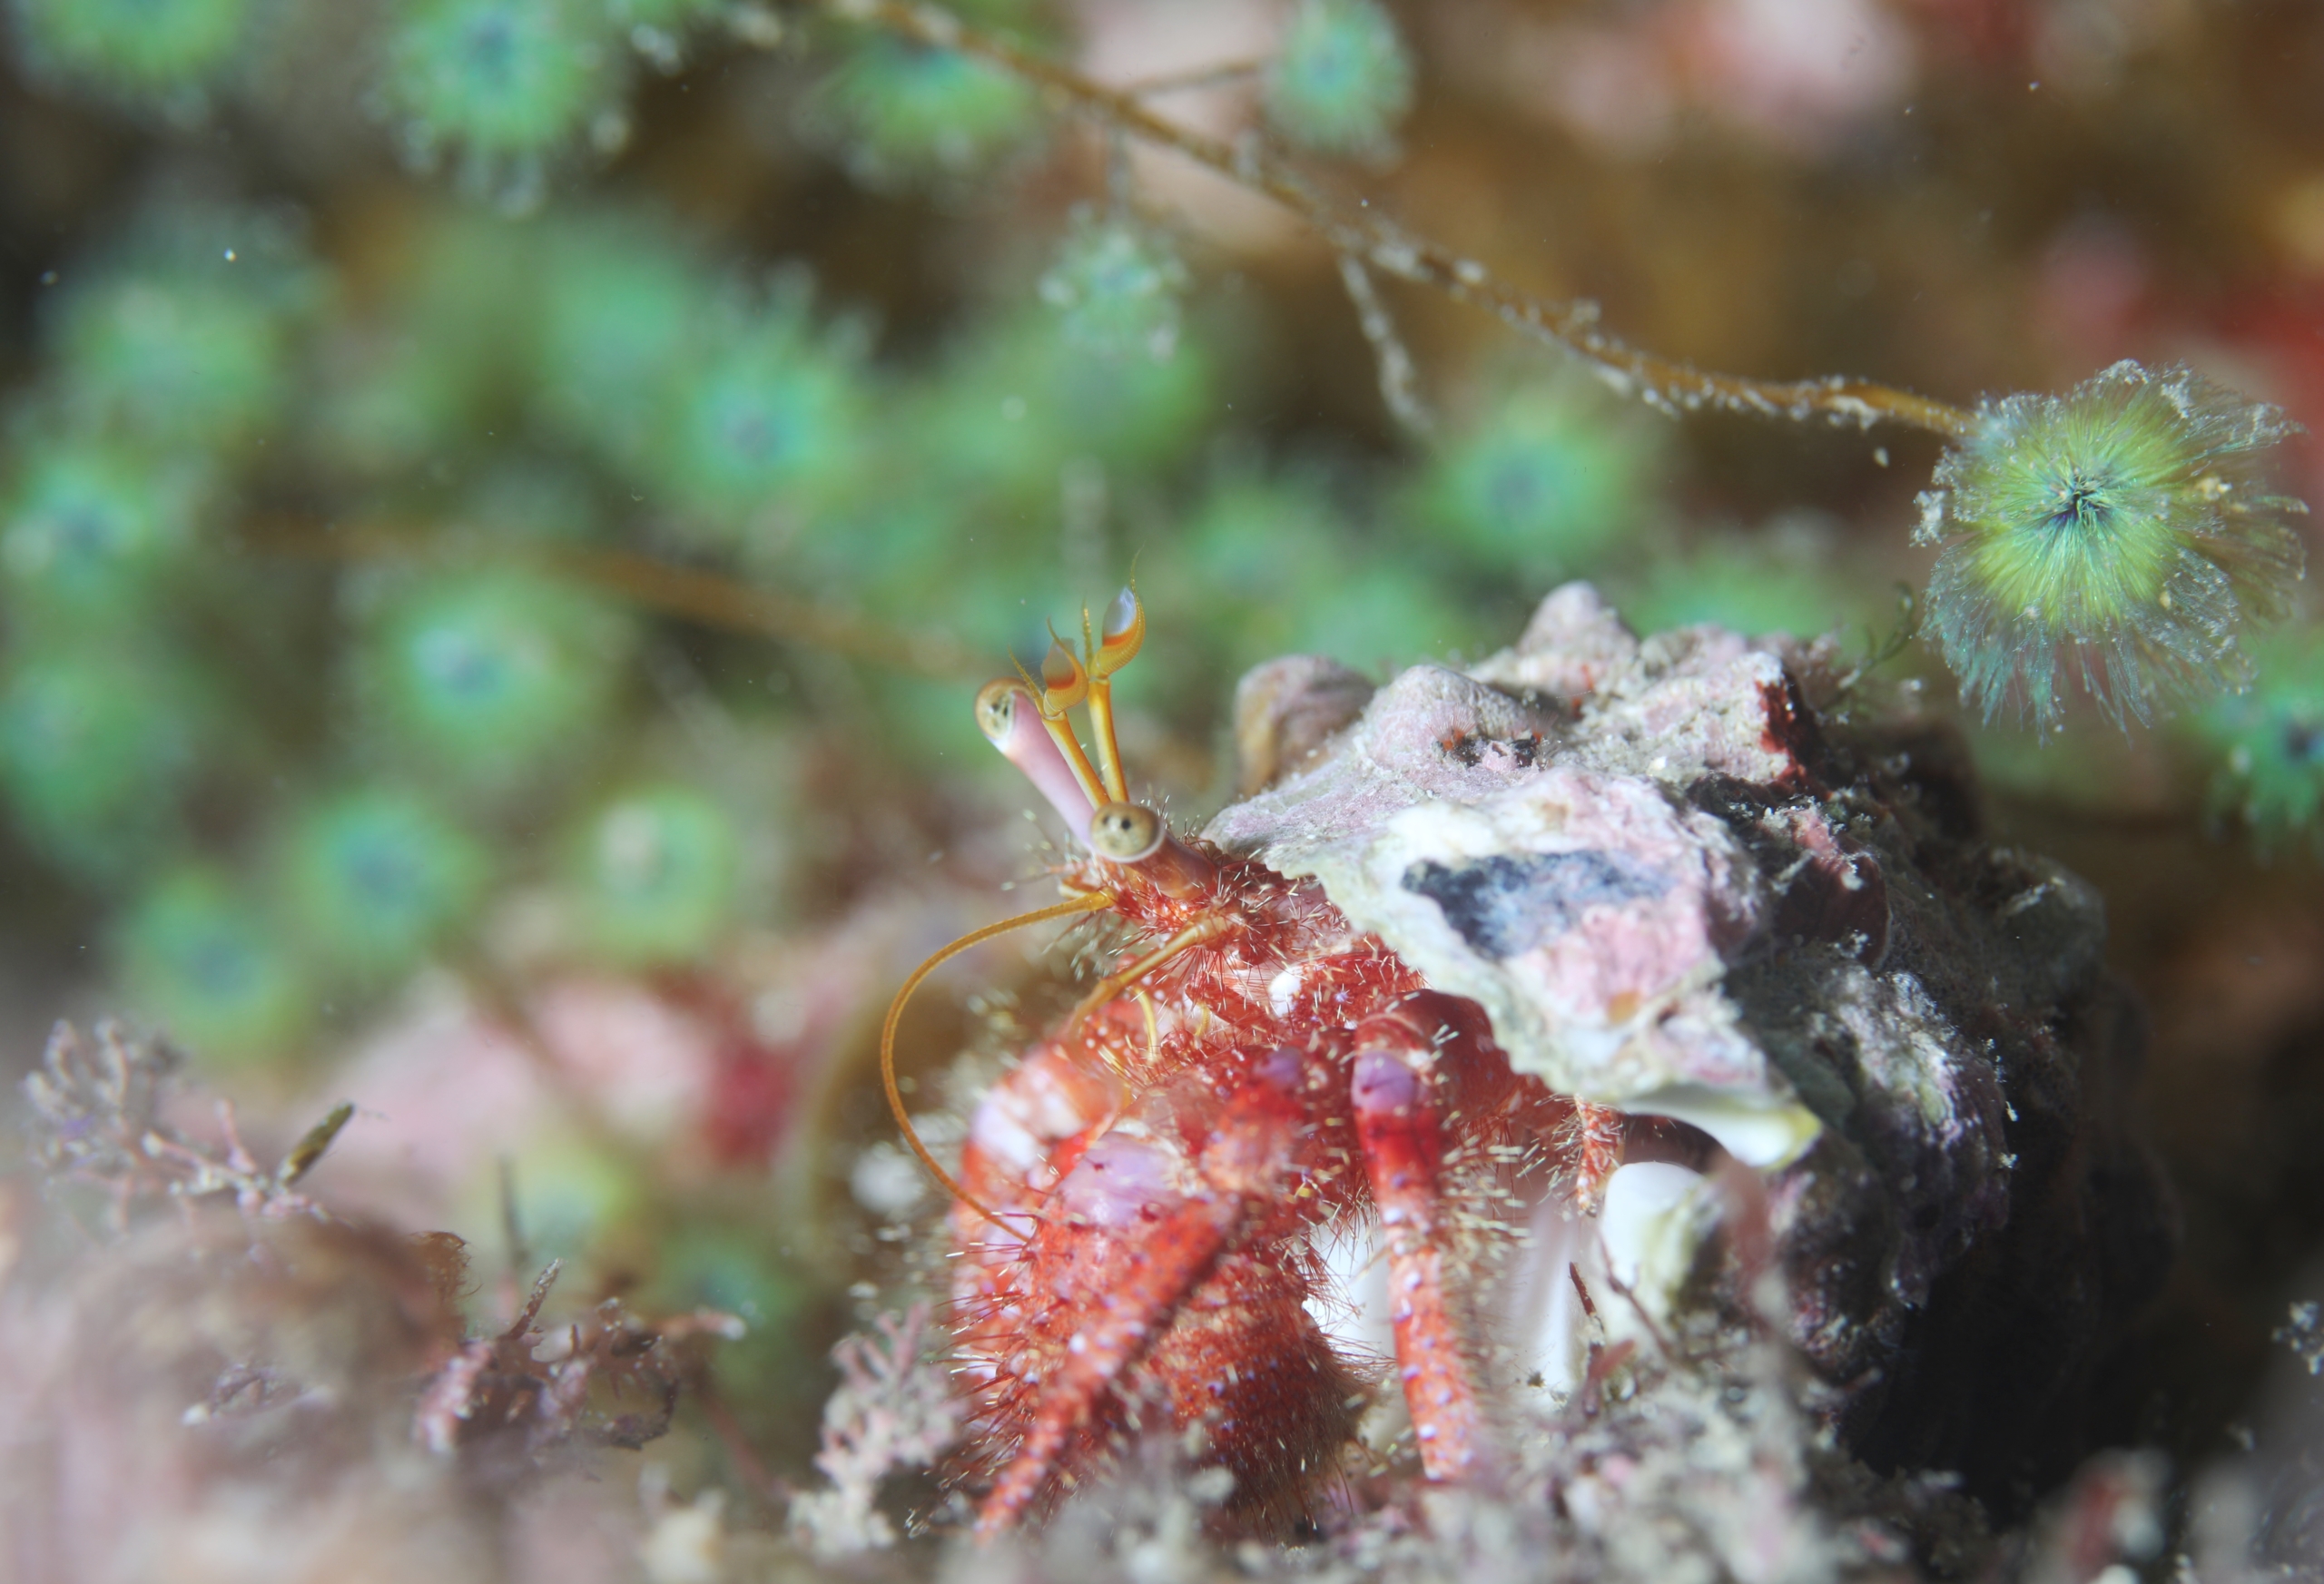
1684	880
1521	834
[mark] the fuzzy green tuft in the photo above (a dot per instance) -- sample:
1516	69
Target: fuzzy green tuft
201	958
1117	284
1546	481
773	420
94	750
375	878
509	82
1342	82
2270	745
188	342
90	531
495	676
137	47
900	113
660	875
2123	535
620	332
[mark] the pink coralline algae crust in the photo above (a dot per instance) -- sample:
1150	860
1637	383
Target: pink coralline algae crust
1680	883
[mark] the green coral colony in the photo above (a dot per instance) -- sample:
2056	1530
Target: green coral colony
288	784
2123	535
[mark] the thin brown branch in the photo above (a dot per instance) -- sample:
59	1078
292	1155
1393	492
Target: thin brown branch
1399	380
685	592
1661	382
1225	74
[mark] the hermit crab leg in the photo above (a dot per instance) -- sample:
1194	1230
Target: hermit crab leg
1400	1128
1151	1227
1090	902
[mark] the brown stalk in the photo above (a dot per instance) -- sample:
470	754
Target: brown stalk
1661	382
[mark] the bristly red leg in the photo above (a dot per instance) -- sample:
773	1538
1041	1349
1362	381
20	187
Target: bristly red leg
1592	1141
1148	1279
1400	1120
1139	1266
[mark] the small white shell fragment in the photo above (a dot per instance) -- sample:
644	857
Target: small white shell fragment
1282	990
1549	1334
1655	1216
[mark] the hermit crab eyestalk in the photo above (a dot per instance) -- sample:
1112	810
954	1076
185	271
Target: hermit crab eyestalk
1126	833
1009	717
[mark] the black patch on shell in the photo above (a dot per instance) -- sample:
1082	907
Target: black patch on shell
1504	905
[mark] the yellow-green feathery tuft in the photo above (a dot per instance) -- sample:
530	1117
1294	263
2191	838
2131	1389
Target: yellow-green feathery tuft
2122	534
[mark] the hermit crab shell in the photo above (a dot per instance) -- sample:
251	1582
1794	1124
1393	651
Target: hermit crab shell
1695	875
1522	834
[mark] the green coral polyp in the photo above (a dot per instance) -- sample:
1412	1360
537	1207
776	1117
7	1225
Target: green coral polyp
773	419
619	332
2121	536
902	110
1342	81
2270	743
1546	481
499	78
188	353
203	960
89	528
1116	286
136	46
376	878
493	673
94	752
659	874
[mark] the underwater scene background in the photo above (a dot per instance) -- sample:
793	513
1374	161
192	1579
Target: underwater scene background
505	506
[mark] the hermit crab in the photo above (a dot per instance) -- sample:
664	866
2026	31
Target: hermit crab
1141	1202
1599	935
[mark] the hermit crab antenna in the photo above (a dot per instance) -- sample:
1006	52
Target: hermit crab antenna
1064	684
1123	631
1088	904
1011	720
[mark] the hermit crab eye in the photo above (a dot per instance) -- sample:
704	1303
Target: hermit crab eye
997	710
1126	833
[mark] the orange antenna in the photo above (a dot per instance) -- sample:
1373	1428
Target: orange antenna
1118	642
1065	684
1198	933
1089	903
